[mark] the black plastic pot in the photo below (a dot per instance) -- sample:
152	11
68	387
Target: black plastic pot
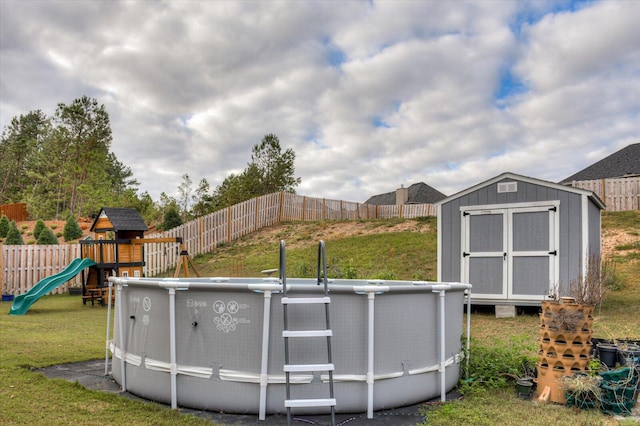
629	356
524	387
608	354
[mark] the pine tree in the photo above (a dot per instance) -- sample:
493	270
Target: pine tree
171	218
13	236
72	230
38	229
46	237
4	226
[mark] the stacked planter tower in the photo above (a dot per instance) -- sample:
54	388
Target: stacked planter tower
565	344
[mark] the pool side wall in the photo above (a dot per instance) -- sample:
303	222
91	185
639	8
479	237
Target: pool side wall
219	341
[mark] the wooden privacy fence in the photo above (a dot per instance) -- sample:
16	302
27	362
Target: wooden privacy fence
17	212
618	194
21	267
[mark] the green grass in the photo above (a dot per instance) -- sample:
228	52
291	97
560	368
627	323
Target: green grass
59	329
406	255
56	330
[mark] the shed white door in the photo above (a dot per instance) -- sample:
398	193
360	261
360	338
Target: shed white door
510	252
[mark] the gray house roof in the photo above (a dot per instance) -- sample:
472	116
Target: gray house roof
123	219
419	193
625	162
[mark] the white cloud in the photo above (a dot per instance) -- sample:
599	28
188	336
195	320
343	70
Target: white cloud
369	95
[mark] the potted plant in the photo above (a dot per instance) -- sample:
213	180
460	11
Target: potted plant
608	353
8	292
525	381
629	354
566	329
619	390
582	390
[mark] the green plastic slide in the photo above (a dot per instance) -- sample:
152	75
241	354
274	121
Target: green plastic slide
23	302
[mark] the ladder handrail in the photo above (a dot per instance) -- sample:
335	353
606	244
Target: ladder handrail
288	367
283	268
322	266
322	257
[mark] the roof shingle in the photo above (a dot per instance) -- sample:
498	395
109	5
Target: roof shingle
123	219
625	162
418	193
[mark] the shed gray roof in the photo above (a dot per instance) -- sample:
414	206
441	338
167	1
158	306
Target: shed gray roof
418	193
508	175
123	219
625	162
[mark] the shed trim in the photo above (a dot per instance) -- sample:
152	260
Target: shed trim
509	175
585	235
555	203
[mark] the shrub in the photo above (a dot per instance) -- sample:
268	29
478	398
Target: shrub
47	237
13	236
492	367
72	230
4	226
172	219
38	228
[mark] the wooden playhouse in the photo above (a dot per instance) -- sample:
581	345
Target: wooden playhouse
114	250
117	248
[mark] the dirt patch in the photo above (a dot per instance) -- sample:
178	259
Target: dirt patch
612	238
300	234
57	226
297	234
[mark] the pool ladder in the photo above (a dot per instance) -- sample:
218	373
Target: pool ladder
325	300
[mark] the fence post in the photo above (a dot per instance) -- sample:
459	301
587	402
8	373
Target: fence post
200	235
256	216
304	207
1	268
229	226
281	207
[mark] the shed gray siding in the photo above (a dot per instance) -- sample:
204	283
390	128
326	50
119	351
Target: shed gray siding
595	224
570	227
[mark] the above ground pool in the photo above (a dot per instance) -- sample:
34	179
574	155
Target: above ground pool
217	343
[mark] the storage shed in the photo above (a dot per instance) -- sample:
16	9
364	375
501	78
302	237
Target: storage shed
517	239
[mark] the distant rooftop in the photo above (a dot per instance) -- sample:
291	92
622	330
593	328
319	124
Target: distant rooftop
625	162
418	193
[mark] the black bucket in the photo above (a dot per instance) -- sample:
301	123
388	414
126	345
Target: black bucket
608	354
629	356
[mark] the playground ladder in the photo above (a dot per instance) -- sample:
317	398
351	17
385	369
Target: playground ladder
290	367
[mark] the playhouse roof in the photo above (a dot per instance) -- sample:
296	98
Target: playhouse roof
122	219
622	163
418	193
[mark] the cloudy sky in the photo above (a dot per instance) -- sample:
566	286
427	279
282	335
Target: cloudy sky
369	94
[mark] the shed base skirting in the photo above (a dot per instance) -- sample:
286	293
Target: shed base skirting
505	311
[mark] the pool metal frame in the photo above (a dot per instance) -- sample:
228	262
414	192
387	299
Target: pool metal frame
269	286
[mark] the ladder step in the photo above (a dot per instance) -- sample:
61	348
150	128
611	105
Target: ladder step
306	300
290	368
292	403
307	333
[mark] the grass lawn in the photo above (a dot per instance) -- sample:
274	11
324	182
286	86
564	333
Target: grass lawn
59	329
